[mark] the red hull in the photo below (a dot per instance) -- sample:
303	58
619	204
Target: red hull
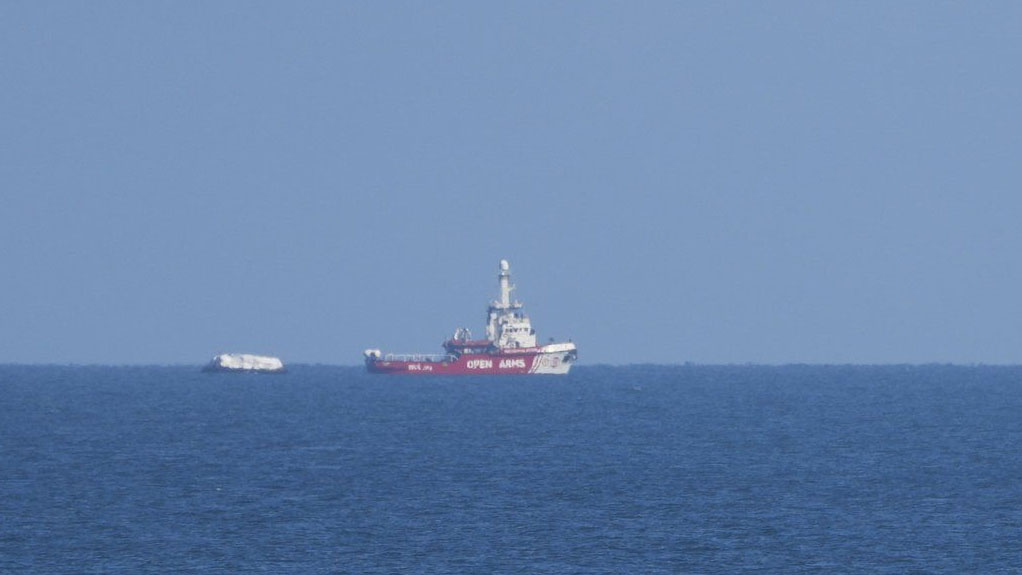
509	362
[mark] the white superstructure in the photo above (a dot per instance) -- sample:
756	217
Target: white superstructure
507	326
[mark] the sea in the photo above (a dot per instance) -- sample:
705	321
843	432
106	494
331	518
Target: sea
631	469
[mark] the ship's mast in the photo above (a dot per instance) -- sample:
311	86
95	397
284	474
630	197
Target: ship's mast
498	307
505	284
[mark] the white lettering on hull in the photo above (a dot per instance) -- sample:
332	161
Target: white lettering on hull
517	363
512	363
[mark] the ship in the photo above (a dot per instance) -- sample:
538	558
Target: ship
244	362
510	346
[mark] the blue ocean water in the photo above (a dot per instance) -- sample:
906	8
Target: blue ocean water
644	469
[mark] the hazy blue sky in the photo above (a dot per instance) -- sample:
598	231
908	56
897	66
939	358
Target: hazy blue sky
716	182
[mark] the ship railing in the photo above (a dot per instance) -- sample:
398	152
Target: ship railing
426	357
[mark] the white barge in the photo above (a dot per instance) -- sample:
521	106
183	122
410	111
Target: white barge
244	362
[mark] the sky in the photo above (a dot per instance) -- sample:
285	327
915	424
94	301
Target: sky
717	182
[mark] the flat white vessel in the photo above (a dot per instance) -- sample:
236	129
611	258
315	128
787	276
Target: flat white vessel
244	362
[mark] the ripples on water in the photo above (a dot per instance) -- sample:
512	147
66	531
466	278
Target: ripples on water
610	470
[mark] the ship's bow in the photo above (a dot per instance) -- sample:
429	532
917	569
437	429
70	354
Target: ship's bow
555	359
